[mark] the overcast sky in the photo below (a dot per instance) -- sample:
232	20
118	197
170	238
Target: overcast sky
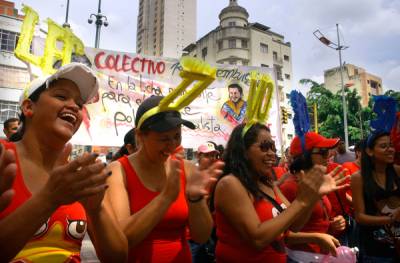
371	29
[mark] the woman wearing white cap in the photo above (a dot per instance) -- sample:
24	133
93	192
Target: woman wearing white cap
55	201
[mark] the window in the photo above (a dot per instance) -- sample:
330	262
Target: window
220	45
8	109
232	43
8	40
204	53
263	48
279	73
244	43
286	57
287	76
264	66
232	23
275	55
290	136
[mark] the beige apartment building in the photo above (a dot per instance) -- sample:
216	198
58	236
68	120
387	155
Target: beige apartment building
354	77
236	41
164	28
13	73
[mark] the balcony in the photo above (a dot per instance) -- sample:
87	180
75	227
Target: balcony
233	32
233	53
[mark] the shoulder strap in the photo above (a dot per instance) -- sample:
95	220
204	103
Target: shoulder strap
272	201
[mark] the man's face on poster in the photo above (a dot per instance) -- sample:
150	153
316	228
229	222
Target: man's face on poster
234	94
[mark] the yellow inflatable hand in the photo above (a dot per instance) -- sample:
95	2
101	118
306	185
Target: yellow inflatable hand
193	70
259	101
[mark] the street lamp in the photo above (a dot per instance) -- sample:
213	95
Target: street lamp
339	48
100	20
66	24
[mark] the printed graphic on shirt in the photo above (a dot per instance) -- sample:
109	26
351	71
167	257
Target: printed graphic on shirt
390	233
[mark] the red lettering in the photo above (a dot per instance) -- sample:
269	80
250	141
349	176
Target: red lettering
97	60
125	63
116	64
160	67
133	65
110	62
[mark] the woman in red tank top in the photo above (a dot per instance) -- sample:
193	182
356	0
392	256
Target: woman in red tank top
54	201
252	215
156	195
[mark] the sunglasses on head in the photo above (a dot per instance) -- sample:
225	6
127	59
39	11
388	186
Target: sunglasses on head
266	146
321	151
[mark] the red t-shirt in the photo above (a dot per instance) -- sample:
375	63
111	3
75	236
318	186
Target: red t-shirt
231	247
319	219
279	171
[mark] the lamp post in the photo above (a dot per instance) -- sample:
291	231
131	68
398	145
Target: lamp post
339	48
66	24
100	20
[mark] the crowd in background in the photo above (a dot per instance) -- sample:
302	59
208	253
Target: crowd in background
236	203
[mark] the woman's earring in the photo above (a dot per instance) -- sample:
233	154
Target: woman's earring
29	114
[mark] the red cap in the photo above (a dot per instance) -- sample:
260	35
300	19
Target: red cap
313	140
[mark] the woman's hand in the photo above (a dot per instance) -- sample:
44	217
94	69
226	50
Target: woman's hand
8	170
309	184
337	224
75	181
200	182
172	185
334	181
327	243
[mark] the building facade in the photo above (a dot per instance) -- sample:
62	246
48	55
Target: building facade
13	73
164	28
236	41
354	77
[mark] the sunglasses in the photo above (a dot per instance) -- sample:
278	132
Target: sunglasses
266	146
321	151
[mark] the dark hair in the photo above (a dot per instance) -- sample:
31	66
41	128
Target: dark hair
341	148
301	162
236	86
236	161
368	167
33	97
9	121
129	138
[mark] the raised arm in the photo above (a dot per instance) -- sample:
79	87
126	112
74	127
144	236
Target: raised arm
8	170
64	186
137	226
199	183
232	199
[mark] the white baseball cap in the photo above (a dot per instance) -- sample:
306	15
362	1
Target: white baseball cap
79	73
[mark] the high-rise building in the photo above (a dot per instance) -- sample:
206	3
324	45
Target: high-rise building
354	77
237	41
165	28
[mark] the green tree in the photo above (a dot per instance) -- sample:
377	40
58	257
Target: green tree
330	112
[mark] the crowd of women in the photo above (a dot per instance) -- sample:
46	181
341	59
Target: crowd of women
150	202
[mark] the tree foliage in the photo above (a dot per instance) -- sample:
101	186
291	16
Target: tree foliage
330	112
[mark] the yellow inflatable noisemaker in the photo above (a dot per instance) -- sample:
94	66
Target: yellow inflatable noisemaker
193	70
259	101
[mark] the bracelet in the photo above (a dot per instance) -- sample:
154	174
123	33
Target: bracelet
195	200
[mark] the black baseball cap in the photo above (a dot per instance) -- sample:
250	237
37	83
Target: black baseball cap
162	121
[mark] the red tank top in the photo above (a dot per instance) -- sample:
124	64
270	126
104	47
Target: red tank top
319	219
57	240
167	242
231	247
